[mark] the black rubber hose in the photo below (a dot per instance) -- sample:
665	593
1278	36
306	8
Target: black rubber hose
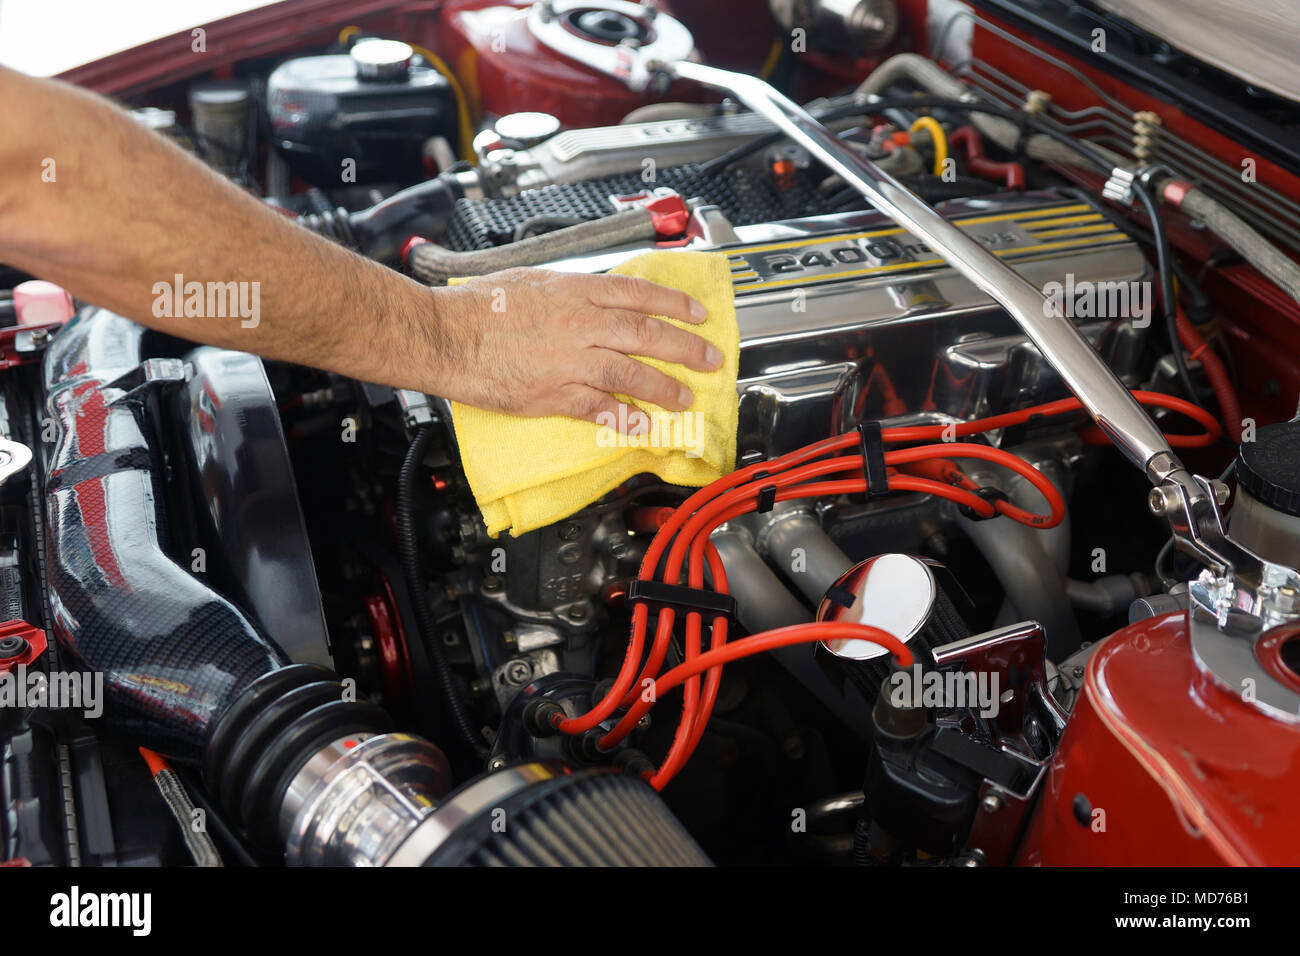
409	550
856	108
828	115
380	230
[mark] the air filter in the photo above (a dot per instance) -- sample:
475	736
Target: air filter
545	814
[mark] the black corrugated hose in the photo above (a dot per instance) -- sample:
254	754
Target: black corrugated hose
409	551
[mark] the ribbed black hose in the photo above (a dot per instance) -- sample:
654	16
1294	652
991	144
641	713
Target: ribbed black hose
862	844
409	551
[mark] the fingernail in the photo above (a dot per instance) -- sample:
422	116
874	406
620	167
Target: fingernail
713	356
684	397
698	311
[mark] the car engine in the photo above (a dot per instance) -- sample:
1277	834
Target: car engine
286	584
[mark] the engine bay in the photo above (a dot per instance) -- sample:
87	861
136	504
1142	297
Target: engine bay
286	587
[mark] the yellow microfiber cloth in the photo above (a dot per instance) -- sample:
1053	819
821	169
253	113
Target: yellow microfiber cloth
527	473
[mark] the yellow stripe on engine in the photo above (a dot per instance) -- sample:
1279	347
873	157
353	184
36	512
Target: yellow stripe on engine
1083	242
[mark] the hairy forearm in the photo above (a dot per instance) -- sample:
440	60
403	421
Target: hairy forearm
115	213
124	219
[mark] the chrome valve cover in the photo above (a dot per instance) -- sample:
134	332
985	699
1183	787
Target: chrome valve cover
848	317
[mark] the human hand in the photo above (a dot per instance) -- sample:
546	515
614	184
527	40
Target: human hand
535	342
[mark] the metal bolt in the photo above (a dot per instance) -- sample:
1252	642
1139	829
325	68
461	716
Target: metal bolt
496	763
1221	491
570	553
518	671
491	584
570	531
1077	670
1164	501
991	803
40	336
1286	598
578	612
618	546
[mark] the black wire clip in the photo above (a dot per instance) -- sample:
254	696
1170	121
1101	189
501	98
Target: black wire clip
991	495
873	459
657	594
766	494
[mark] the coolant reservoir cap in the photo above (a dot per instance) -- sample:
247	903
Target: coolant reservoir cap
1268	468
894	592
378	59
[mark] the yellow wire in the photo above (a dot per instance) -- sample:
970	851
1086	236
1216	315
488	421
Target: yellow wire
938	140
462	104
464	121
773	58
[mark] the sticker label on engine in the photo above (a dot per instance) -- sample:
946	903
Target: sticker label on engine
831	258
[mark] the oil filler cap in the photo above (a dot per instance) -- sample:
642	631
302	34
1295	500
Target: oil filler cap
1268	468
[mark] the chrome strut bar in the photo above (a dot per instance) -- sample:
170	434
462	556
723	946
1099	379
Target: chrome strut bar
1083	370
1235	580
1239	596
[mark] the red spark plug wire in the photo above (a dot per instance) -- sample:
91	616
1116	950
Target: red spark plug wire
926	469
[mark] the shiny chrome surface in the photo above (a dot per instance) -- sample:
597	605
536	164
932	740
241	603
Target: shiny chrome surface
378	59
667	39
894	592
1018	651
573	155
1083	370
359	798
874	325
14	457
